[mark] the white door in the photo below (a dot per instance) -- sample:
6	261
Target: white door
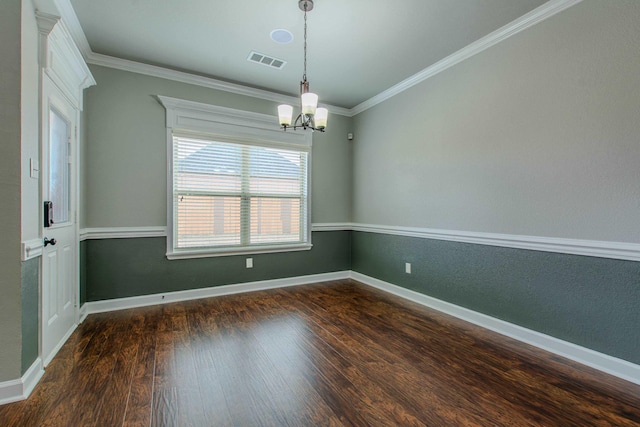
60	259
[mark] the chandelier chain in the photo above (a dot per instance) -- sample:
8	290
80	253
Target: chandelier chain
304	74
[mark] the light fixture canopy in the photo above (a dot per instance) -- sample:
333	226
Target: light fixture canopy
305	5
310	117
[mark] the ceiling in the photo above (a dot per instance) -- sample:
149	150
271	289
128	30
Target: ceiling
356	48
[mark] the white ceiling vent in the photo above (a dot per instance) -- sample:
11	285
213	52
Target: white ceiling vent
269	61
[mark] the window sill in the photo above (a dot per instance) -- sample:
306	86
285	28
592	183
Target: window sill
208	253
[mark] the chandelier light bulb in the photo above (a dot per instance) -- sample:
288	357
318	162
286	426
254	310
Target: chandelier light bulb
309	103
285	113
321	118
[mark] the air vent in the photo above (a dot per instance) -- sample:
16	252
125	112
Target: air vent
269	61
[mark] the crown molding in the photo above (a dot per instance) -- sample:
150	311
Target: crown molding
530	19
61	59
70	19
208	82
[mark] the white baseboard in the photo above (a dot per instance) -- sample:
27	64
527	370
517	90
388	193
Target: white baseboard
49	357
32	376
82	313
605	363
164	298
20	389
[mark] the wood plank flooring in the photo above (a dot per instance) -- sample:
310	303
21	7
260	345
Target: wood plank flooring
331	354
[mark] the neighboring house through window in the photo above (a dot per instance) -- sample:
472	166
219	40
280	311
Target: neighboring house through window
237	184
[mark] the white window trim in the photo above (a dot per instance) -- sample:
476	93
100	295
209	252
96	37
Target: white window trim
188	118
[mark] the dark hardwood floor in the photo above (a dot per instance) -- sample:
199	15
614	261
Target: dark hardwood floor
336	353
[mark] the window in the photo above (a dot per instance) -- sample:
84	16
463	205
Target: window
59	166
234	188
229	195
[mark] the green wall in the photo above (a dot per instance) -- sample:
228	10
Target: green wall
30	312
119	268
82	256
592	302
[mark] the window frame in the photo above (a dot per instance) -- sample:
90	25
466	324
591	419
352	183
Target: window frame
203	121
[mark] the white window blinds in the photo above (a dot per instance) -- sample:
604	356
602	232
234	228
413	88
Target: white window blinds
234	195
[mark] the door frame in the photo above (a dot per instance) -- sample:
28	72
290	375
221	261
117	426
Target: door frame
62	69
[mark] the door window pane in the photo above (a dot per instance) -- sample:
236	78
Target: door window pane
59	168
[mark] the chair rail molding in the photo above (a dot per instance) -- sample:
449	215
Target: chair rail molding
596	248
122	232
32	249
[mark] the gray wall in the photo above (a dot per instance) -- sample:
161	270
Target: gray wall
125	151
538	135
10	278
30	113
30	191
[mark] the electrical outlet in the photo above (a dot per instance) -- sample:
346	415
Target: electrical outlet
249	262
407	267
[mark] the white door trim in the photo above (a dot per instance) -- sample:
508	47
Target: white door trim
63	71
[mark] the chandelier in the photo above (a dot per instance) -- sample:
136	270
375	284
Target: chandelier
310	117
